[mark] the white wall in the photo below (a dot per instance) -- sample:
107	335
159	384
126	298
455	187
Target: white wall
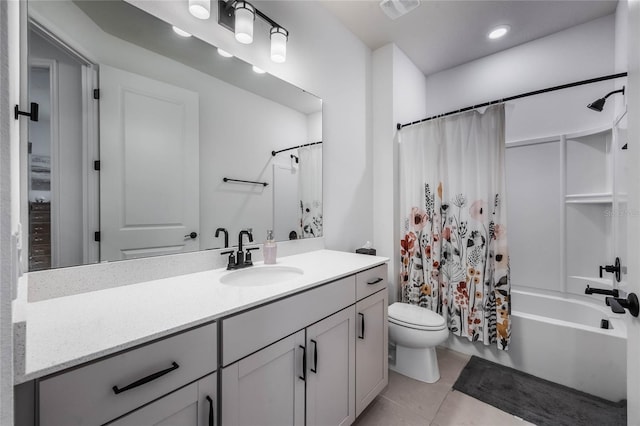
399	95
327	60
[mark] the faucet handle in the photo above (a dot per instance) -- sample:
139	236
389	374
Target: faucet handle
248	255
232	258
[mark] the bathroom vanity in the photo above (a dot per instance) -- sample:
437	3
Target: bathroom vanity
207	349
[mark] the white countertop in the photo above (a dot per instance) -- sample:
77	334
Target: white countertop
67	331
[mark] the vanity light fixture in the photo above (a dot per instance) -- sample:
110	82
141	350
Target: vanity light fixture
201	9
239	16
498	32
224	53
279	38
181	33
245	14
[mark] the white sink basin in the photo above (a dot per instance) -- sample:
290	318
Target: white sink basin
257	276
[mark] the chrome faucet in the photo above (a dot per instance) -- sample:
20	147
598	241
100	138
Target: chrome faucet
240	259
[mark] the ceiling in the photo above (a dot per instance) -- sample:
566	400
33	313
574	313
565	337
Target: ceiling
441	34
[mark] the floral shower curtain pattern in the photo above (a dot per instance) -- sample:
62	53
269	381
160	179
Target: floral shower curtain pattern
310	191
454	254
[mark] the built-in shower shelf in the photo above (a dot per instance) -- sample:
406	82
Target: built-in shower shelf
595	198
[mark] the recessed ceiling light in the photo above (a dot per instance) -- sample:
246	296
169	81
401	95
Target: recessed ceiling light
180	32
498	32
258	70
224	53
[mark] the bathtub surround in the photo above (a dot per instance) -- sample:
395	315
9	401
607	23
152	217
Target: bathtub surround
536	400
454	257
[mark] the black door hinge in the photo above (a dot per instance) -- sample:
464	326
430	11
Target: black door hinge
96	236
96	165
96	93
30	148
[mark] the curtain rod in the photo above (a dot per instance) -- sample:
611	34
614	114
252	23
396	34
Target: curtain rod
273	153
523	95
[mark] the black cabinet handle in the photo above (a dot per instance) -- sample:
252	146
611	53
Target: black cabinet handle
304	364
210	410
144	380
315	357
361	336
192	235
374	281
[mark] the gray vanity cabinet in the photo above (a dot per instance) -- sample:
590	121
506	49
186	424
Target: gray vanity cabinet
267	387
372	373
105	390
300	360
331	370
192	405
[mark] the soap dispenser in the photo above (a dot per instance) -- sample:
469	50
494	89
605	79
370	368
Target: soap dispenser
270	249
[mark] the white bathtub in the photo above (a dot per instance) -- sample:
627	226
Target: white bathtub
561	340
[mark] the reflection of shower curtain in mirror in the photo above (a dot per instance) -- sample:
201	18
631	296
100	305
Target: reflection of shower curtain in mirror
454	254
310	191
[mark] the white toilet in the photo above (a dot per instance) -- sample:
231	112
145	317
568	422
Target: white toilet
416	332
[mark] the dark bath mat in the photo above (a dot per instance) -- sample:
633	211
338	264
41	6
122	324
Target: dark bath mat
536	400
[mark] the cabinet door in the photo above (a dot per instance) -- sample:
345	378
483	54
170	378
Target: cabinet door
191	405
372	373
267	387
331	370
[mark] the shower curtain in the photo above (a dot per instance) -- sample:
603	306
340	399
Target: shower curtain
454	257
310	191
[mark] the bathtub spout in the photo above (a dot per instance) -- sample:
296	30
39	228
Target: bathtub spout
618	305
590	290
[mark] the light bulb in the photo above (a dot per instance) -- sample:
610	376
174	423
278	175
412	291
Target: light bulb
498	32
180	32
279	44
224	53
245	15
201	9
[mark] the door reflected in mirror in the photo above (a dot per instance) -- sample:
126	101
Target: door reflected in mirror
137	168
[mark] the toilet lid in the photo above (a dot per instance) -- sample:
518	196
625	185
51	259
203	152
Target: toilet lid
415	317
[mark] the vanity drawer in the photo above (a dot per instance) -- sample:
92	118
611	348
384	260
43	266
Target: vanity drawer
86	395
255	329
371	281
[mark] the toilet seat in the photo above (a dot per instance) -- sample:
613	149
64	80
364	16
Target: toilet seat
415	317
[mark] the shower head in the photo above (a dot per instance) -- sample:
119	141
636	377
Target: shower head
598	104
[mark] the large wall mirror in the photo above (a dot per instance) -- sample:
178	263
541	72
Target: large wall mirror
178	141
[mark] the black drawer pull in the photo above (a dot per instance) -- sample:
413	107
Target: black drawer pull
315	357
147	379
304	364
361	336
210	410
374	281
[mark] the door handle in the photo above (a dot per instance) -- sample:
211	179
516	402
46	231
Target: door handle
210	410
304	364
315	357
361	335
192	235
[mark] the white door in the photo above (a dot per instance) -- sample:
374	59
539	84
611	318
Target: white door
266	388
372	373
149	166
193	405
331	370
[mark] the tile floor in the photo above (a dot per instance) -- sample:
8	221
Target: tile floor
408	402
